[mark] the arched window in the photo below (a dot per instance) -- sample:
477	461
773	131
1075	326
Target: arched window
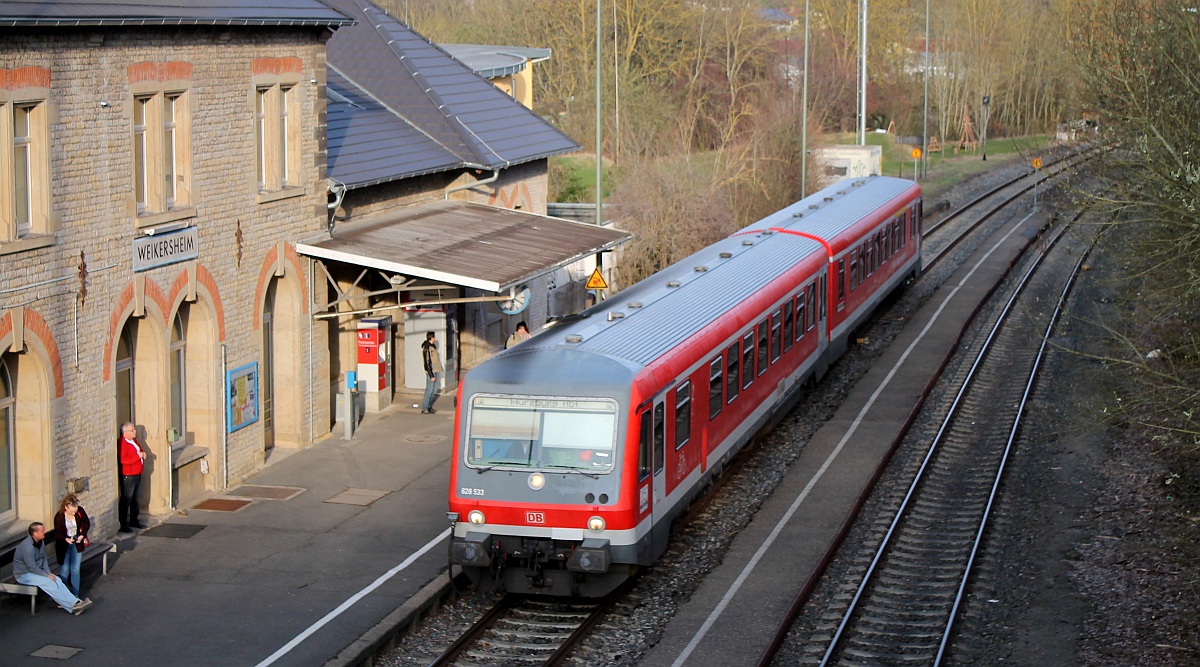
125	407
178	375
266	387
8	484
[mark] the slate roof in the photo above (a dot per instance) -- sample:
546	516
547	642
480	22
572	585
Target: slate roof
168	12
464	121
367	141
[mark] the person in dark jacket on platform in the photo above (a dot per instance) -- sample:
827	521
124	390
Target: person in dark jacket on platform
133	456
433	371
71	526
31	568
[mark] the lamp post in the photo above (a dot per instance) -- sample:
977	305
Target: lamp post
925	113
599	151
862	105
987	100
804	114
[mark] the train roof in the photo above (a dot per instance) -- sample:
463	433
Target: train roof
644	321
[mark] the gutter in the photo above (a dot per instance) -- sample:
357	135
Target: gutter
467	186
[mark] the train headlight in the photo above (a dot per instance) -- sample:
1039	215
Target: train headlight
476	517
596	524
536	481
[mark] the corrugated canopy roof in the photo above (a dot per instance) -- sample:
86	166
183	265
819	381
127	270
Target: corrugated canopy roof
470	121
460	243
168	12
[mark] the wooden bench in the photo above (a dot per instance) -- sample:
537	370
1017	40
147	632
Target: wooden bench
101	549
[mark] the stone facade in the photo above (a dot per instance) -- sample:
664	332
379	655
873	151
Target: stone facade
70	294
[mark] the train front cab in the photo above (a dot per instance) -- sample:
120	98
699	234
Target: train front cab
538	505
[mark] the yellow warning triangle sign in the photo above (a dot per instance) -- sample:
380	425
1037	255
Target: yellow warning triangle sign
596	281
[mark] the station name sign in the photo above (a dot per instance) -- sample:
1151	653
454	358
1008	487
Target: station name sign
162	249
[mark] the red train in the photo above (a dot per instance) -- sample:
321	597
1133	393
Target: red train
575	450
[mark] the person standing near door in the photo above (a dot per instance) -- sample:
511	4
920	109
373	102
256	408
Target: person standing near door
433	371
132	453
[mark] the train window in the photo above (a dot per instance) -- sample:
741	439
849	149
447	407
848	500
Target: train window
683	414
660	437
762	347
747	359
862	263
776	335
536	432
822	296
801	313
715	396
644	447
841	280
853	269
813	310
731	365
788	336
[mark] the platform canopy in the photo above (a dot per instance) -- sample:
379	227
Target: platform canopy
460	243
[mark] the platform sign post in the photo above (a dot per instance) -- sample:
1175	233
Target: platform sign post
916	155
1037	166
595	283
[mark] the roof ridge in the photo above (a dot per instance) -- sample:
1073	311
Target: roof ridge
387	106
370	10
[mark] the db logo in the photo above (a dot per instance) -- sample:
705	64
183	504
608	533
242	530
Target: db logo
535	517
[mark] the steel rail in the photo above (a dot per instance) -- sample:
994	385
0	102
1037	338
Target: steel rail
934	446
1012	436
810	585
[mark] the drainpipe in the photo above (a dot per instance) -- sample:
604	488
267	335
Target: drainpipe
467	186
338	190
225	420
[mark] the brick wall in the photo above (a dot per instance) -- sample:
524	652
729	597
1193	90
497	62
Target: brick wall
92	181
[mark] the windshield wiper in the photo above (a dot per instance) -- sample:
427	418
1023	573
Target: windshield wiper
575	471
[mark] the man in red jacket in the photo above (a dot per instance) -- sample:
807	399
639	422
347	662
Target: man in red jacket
132	454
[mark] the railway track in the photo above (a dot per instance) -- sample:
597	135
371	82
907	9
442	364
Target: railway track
943	236
902	611
513	637
520	630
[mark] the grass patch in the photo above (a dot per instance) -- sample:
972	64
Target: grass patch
573	179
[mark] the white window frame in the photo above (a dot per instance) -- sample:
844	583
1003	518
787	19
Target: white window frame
277	138
160	146
29	219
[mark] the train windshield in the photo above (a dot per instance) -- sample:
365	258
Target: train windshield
542	432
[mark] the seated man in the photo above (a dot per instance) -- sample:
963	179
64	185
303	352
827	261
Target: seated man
31	568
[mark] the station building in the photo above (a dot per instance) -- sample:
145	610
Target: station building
199	207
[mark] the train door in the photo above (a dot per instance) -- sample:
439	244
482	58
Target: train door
659	507
816	298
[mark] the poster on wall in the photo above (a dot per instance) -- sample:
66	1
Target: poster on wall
242	390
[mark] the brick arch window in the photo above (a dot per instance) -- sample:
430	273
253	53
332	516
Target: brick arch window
178	370
7	468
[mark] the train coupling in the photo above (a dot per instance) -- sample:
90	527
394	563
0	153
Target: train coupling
472	550
593	557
